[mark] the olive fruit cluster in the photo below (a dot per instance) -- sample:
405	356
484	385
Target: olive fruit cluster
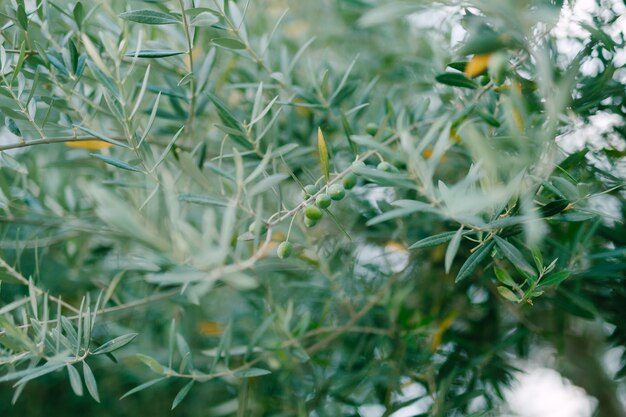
323	200
334	192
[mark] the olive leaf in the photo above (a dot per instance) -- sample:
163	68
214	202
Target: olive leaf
323	153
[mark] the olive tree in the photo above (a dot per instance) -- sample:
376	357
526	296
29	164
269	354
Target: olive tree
295	208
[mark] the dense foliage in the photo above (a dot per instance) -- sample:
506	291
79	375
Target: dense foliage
304	207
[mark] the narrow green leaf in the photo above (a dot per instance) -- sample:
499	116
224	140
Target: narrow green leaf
167	149
115	344
556	278
22	18
79	15
452	249
153	113
12	126
90	382
503	276
435	240
149	17
196	11
323	151
204	19
400	212
117	163
80	65
514	256
458	65
229	119
391	179
58	64
474	260
569	190
150	362
508	294
154	53
538	258
251	372
102	137
267	183
347	129
73	55
202	199
229	43
30	374
263	112
70	332
75	381
182	394
142	387
456	80
20	61
105	80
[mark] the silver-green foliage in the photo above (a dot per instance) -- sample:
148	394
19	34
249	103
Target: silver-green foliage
174	138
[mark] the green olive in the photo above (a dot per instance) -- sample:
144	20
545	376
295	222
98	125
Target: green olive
336	192
313	213
309	222
371	128
349	181
386	166
284	250
323	201
309	190
498	67
253	227
358	164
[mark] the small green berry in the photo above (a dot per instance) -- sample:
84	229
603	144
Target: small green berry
284	250
358	164
309	222
498	67
336	192
386	166
252	229
309	190
323	201
313	213
371	128
349	181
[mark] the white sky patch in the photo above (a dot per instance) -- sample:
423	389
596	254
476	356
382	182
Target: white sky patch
543	392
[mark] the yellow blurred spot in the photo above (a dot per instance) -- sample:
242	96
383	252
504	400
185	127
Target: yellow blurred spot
301	111
234	98
428	153
437	253
296	28
210	328
518	119
196	52
89	144
477	65
443	326
454	135
278	236
395	246
264	249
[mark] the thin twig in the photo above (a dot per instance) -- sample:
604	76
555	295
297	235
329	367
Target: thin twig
21	278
